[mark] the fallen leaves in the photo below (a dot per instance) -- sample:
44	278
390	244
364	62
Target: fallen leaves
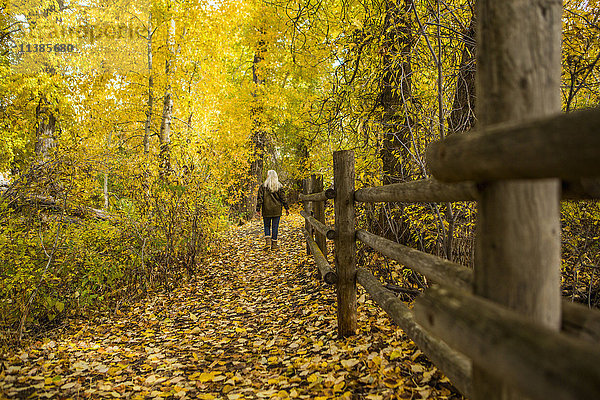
250	325
348	364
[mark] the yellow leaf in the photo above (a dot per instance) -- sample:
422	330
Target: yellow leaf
392	383
349	363
227	389
416	368
206	376
416	355
68	385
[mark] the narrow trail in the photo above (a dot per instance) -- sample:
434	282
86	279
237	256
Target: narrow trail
251	324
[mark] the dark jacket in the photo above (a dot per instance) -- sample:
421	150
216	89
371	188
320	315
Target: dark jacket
270	203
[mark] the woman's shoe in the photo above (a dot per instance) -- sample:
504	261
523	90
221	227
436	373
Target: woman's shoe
267	243
274	245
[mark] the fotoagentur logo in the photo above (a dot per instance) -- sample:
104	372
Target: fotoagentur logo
80	48
79	37
90	32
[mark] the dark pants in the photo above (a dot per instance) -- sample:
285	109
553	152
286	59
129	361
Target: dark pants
271	226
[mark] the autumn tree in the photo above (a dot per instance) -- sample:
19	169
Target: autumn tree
258	135
396	90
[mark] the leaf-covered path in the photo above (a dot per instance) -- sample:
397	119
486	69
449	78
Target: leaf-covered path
251	324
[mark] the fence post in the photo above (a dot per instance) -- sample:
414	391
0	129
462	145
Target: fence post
319	212
307	189
345	245
517	260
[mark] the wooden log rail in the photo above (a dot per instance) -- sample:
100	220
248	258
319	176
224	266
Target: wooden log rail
433	191
580	322
577	320
327	273
319	226
538	361
320	196
561	146
426	190
454	364
433	267
581	189
315	203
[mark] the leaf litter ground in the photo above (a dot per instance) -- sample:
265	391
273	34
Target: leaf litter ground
250	324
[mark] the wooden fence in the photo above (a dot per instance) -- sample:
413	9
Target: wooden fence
499	330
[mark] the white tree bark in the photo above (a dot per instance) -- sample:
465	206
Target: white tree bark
45	130
148	124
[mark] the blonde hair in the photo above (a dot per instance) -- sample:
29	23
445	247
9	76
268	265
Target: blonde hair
272	182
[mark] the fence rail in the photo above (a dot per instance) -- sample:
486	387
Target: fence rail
320	196
319	226
433	267
580	322
425	190
454	364
433	191
327	273
542	363
561	146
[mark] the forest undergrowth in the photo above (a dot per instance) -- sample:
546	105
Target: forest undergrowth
248	324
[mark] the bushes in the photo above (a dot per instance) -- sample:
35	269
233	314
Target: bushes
54	265
59	259
581	251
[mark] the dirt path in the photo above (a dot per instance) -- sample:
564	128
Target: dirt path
250	325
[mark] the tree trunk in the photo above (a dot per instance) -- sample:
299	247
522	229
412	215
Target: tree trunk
462	115
395	123
258	136
106	173
167	115
148	124
45	130
165	134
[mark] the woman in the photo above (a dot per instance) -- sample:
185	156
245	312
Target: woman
269	202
